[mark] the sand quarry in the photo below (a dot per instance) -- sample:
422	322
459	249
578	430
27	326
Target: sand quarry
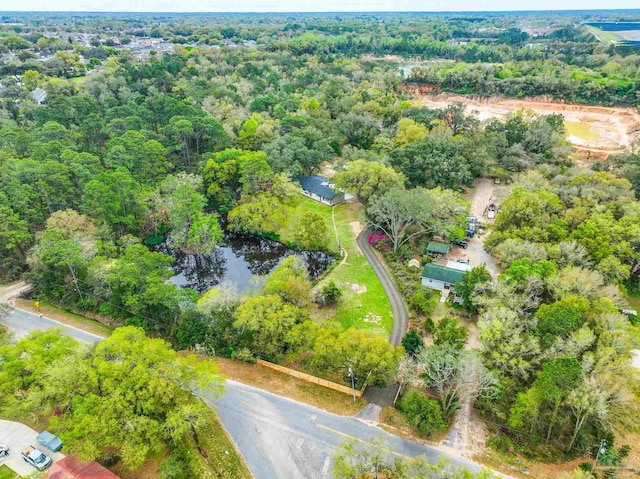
592	128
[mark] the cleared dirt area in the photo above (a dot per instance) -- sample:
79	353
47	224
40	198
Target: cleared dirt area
604	129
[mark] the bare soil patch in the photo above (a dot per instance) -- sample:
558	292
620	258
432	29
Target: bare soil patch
612	128
358	288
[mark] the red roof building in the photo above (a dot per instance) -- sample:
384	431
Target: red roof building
71	467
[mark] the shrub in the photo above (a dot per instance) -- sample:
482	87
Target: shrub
330	293
447	331
176	466
244	354
428	326
412	342
423	301
423	413
380	241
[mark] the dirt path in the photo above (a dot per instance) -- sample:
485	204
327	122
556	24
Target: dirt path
484	193
610	128
467	435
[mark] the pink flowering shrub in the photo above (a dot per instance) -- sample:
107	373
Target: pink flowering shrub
379	240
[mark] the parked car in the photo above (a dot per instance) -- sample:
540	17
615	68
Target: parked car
471	230
491	212
50	441
461	243
4	451
36	458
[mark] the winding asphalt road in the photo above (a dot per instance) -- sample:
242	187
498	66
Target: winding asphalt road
400	315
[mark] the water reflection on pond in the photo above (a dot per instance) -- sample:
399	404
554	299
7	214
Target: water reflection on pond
241	259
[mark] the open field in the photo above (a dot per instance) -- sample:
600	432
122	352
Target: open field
363	304
593	128
605	36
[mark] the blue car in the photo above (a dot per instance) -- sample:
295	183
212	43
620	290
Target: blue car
50	441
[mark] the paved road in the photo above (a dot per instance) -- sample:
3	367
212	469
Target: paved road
22	322
278	437
400	316
282	438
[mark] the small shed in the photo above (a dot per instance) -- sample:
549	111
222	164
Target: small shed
320	189
413	263
436	247
438	277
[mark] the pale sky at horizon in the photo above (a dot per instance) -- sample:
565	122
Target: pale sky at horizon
261	6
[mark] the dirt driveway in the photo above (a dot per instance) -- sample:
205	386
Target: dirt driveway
17	436
484	193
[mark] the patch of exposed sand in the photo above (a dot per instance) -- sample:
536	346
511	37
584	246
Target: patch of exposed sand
615	127
356	227
358	288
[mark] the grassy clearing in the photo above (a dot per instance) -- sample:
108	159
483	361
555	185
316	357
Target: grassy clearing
362	294
79	79
605	36
6	473
295	210
66	317
581	130
288	386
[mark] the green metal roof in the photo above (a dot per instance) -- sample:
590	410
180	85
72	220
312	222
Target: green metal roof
442	273
437	247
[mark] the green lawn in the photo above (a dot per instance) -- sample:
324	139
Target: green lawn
6	473
81	79
605	36
364	303
299	206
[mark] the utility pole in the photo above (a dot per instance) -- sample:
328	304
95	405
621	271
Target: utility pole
353	382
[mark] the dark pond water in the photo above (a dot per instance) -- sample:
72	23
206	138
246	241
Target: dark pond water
240	259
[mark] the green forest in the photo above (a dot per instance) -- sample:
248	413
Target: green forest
127	143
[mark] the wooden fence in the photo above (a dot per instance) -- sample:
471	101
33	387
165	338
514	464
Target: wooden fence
311	379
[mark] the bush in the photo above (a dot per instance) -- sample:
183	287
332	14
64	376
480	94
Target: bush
412	343
423	301
328	294
109	460
423	413
244	354
428	326
176	466
447	331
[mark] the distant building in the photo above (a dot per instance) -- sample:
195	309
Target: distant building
70	467
438	277
39	95
320	189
